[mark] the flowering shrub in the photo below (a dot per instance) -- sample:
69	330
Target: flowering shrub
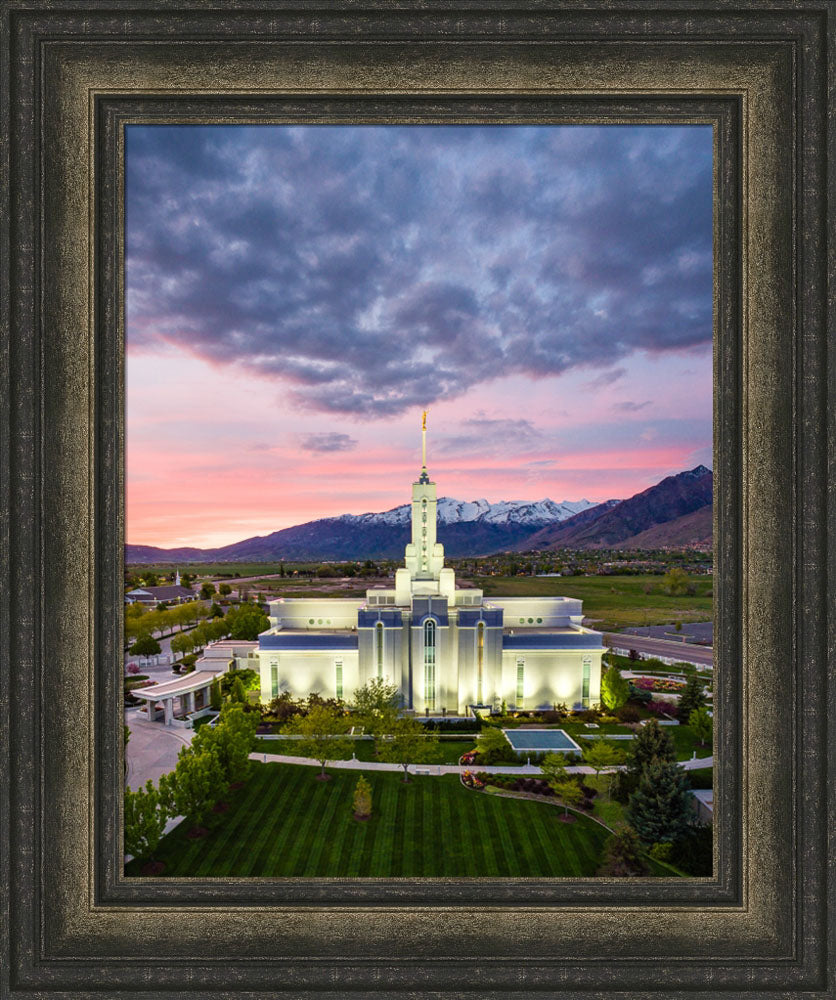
133	668
469	758
665	684
644	683
663	708
470	779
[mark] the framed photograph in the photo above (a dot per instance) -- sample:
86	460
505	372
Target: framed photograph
76	82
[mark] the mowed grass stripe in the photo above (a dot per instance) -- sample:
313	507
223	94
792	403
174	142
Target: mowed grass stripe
505	858
384	794
327	821
198	853
235	842
306	821
280	792
286	823
289	792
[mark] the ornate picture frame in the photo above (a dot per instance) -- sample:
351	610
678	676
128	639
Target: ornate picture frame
72	77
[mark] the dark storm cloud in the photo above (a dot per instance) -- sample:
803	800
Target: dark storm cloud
378	269
328	442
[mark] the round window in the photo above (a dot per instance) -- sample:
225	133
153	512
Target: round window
522	621
539	621
310	621
530	621
319	622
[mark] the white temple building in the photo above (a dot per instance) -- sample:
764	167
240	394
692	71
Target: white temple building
446	648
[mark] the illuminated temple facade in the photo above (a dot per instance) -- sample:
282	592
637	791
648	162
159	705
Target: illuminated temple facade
446	648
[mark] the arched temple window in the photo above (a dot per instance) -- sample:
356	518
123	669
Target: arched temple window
429	664
480	662
378	637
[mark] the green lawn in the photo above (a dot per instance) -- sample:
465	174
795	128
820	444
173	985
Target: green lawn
284	822
612	602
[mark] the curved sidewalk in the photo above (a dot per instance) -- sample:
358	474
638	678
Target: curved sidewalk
436	769
152	749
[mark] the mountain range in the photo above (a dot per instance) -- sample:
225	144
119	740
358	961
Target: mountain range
675	512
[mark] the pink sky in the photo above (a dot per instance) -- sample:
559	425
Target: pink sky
296	295
214	453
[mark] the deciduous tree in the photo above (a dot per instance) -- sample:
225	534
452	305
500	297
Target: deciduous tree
232	741
323	734
600	755
702	725
408	743
145	646
569	793
145	820
195	785
246	622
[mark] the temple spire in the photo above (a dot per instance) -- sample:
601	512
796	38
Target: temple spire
424	478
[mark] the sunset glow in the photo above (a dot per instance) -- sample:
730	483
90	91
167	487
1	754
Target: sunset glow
297	296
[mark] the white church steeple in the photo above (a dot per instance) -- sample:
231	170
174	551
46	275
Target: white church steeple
424	555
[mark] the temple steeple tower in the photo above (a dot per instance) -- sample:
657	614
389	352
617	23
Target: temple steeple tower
424	555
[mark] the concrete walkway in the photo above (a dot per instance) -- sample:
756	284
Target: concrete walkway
152	748
436	769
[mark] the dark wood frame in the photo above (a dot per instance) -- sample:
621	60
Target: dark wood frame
71	76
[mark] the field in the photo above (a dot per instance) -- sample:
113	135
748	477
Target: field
612	602
284	822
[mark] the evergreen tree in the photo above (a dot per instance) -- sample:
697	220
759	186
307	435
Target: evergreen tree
145	820
692	697
660	809
652	742
215	700
615	690
238	693
622	854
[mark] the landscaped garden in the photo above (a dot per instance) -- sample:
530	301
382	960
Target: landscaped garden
284	822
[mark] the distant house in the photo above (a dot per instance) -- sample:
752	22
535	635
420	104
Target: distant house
152	596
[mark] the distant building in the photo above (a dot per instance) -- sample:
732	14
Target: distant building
446	648
152	596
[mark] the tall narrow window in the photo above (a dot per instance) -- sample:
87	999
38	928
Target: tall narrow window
429	664
274	678
338	670
520	683
480	661
587	664
378	638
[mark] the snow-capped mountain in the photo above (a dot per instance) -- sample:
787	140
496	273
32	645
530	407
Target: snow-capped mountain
450	511
465	528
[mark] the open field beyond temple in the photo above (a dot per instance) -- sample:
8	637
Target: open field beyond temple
284	822
612	602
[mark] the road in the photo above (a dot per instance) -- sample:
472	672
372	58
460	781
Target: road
703	655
